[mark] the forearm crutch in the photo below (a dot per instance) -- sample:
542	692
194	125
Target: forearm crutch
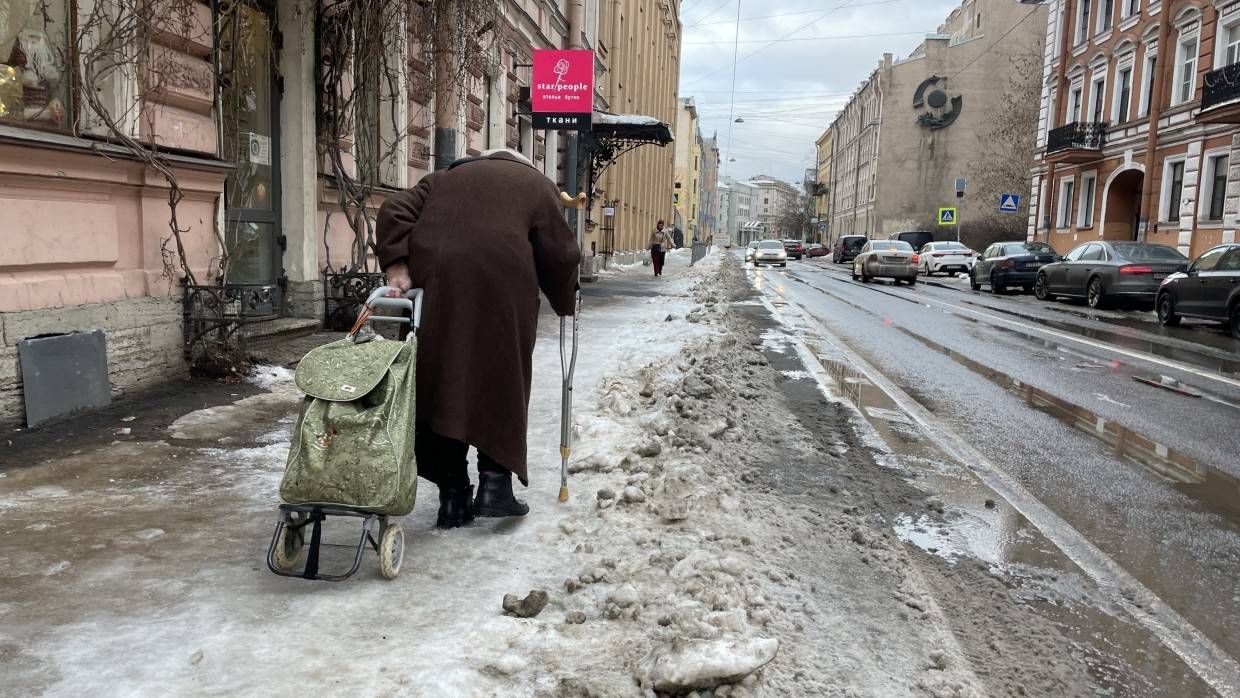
568	361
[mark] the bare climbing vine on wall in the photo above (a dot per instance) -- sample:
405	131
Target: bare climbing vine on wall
113	61
364	116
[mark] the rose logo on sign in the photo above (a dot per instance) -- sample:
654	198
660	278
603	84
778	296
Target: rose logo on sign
562	82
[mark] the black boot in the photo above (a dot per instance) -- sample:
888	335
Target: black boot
495	496
455	506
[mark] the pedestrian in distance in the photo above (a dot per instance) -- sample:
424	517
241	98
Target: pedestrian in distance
660	243
481	238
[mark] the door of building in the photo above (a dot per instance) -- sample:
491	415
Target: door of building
250	107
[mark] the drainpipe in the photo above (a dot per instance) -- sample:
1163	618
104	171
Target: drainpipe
574	158
447	92
1061	89
1151	138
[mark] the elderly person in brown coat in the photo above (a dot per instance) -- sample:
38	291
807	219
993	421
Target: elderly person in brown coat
482	238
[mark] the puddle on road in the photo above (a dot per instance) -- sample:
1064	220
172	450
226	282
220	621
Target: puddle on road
1215	490
1223	365
1122	657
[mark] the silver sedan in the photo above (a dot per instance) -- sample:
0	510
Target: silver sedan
894	259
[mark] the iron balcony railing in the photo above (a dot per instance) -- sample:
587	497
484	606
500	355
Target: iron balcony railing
1222	85
1078	135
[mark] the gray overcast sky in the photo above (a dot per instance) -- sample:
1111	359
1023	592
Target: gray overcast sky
788	91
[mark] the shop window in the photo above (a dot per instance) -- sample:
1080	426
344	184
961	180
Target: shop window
34	82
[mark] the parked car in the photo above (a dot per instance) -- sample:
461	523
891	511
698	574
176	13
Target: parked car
1006	264
895	259
816	250
770	252
1103	271
794	248
846	248
946	257
1208	290
753	245
917	238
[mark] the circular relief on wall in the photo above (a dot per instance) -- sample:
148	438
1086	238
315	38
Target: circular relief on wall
936	114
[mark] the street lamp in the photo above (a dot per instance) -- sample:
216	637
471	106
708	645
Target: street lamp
739	120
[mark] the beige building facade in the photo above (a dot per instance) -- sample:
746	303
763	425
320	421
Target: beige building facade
822	186
638	55
686	192
919	124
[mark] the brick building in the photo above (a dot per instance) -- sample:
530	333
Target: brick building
1137	136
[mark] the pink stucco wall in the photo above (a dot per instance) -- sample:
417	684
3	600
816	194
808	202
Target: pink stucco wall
77	228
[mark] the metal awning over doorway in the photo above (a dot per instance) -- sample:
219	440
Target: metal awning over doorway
613	135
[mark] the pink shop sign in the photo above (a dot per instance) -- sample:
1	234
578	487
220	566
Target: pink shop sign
563	82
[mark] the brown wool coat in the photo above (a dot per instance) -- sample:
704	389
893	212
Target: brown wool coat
482	238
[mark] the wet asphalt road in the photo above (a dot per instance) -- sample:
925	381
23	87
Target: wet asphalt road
1175	526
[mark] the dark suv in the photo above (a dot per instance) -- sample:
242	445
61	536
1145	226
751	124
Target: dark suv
1209	290
846	248
917	238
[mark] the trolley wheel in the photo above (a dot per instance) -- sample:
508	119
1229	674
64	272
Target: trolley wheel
391	550
288	549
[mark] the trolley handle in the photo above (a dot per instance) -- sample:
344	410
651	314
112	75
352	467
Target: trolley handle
412	301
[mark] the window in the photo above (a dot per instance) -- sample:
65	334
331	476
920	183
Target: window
1123	94
1185	70
1106	14
1082	22
1075	254
1085	210
1209	260
1231	262
34	81
1074	105
1228	43
1067	188
1173	178
1147	82
1096	97
1217	174
1130	7
1094	253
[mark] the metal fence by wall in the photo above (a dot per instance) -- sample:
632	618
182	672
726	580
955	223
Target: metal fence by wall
699	251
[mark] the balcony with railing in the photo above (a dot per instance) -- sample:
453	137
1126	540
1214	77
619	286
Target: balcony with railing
1220	96
1077	142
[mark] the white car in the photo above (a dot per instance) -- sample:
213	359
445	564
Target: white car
946	257
749	250
770	252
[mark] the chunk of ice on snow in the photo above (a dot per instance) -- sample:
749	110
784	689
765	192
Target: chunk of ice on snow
687	665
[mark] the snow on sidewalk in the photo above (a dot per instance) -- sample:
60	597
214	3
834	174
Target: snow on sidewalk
137	569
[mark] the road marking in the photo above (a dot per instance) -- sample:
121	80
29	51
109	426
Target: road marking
1206	659
1130	353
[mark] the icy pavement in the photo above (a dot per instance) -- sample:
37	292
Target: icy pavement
712	546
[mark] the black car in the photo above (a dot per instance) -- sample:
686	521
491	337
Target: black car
1103	271
916	238
1209	290
847	247
794	248
1006	264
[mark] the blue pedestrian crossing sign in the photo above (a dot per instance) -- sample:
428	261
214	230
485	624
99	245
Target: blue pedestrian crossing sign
947	216
1009	203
